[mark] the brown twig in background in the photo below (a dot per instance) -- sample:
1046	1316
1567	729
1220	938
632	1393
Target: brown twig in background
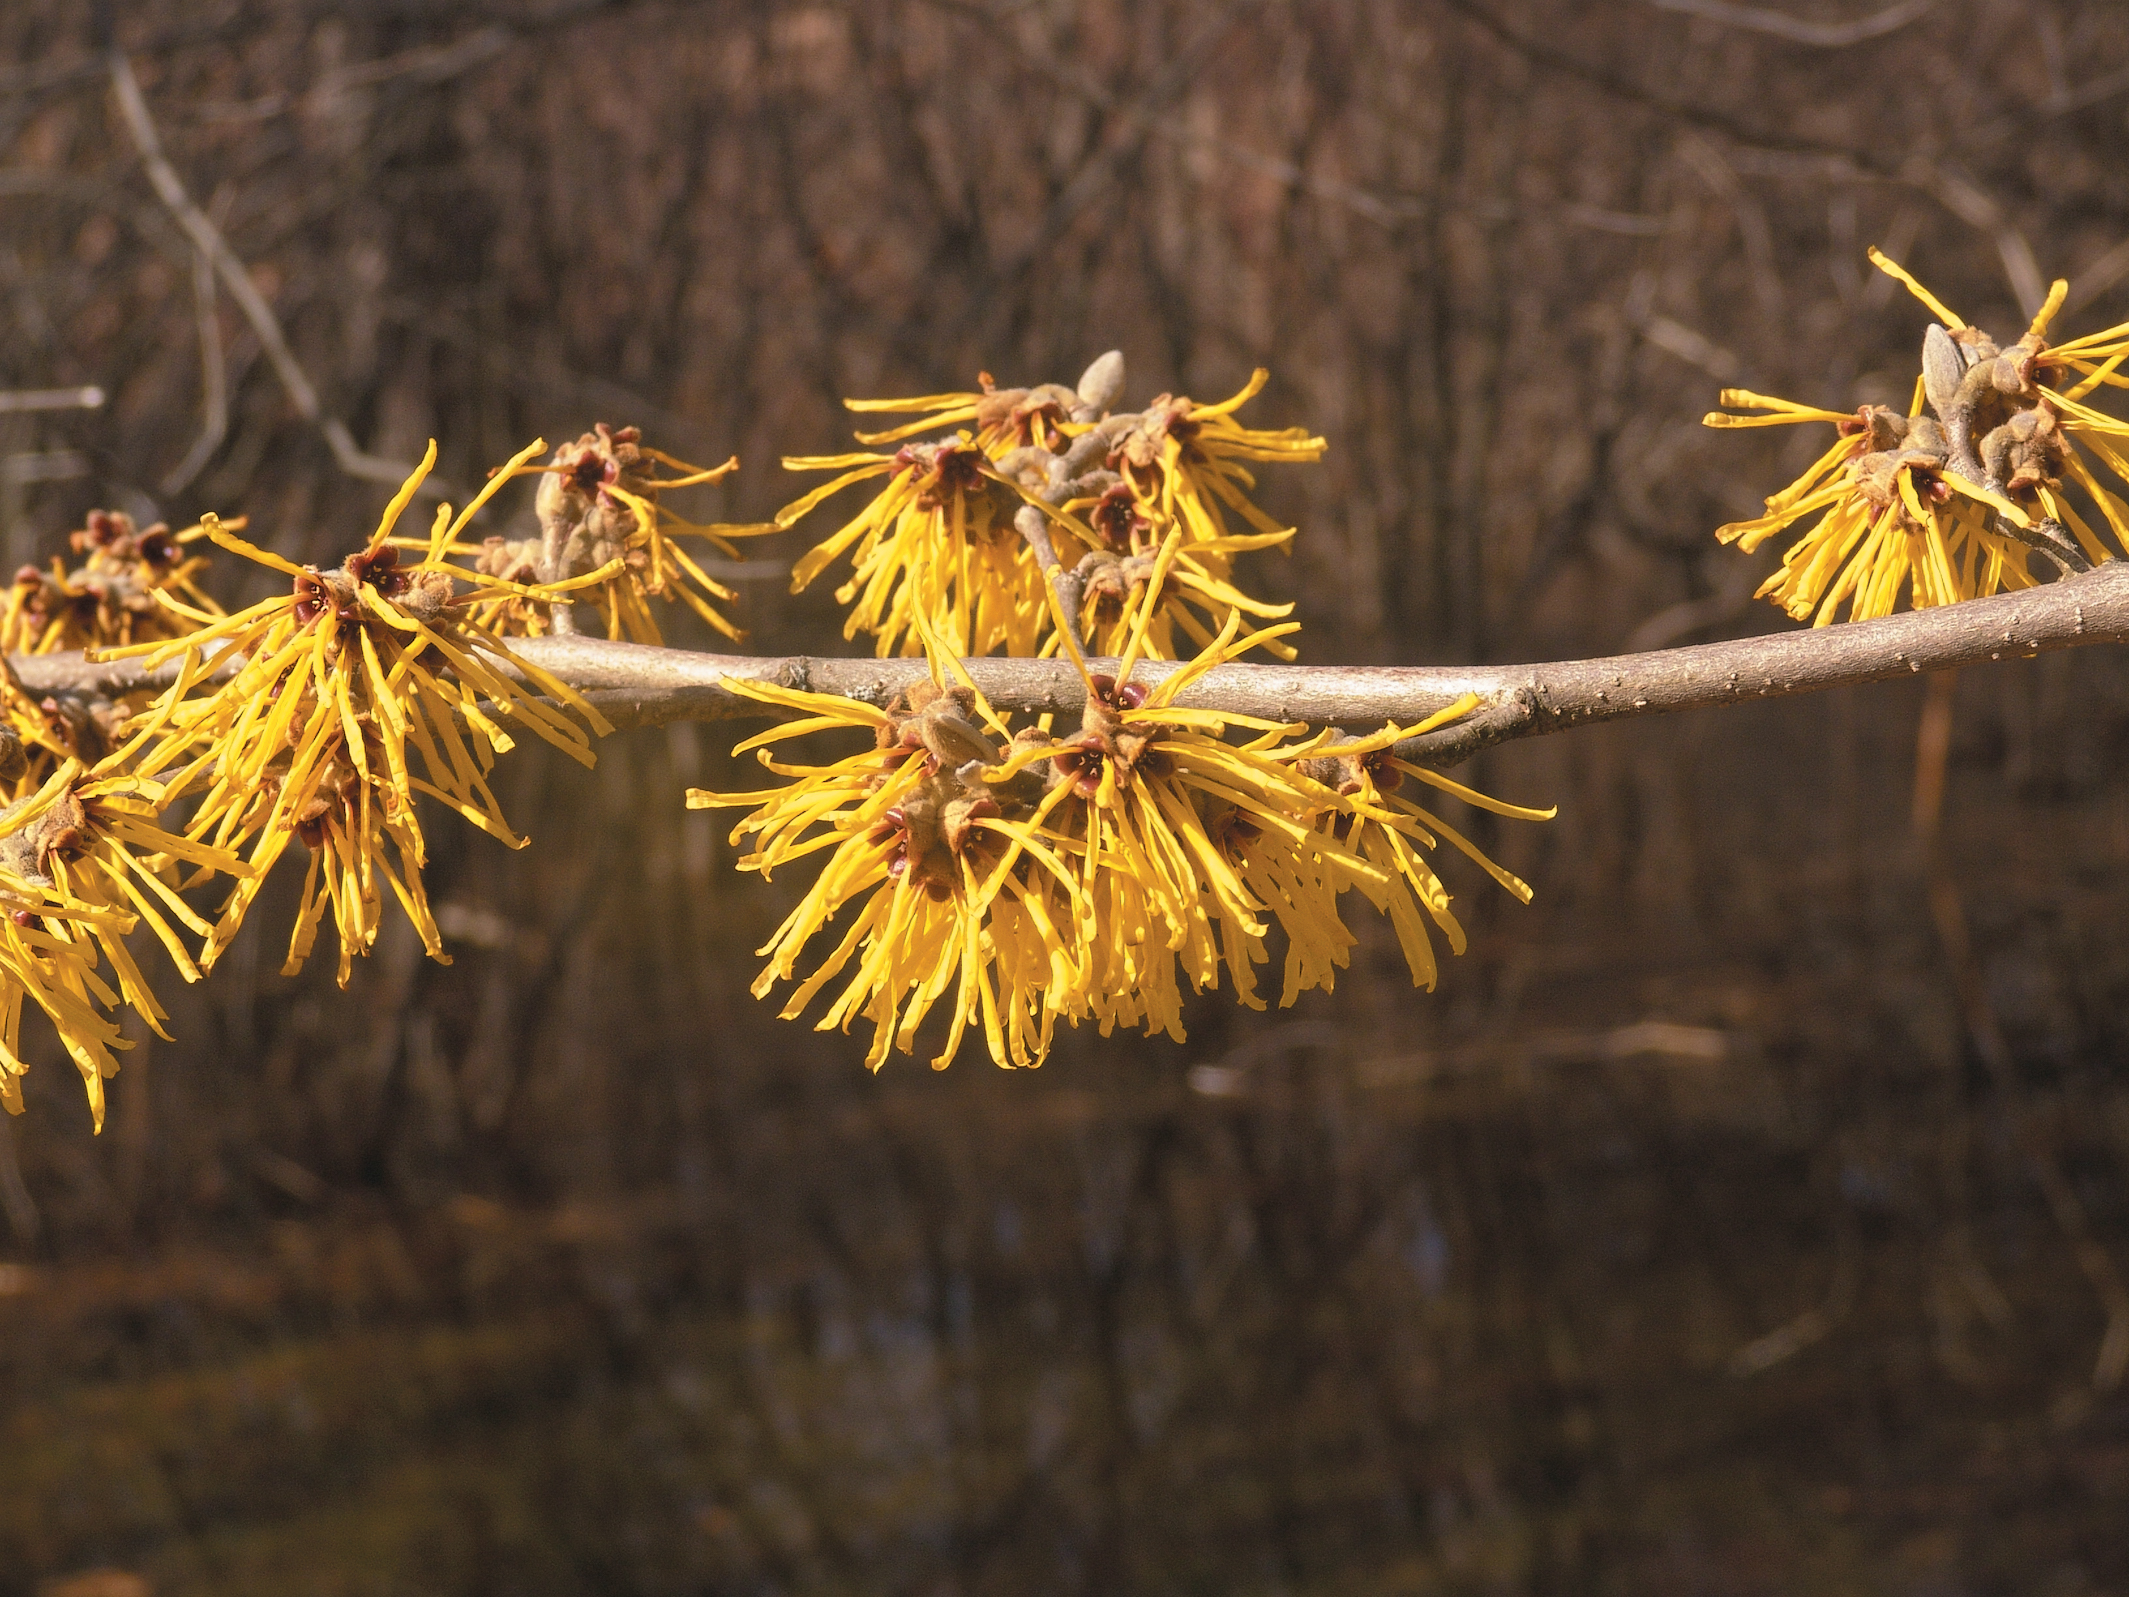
1385	208
207	238
214	378
1820	35
24	399
1977	1010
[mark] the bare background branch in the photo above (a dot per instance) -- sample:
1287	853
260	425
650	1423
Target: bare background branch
1780	25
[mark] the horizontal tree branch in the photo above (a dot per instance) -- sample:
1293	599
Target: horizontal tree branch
639	686
635	685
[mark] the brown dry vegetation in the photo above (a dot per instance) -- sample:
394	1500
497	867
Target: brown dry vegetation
1716	1228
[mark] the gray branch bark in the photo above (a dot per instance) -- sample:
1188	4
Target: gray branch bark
635	685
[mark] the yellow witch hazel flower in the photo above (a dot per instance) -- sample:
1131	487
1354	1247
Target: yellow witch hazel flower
947	539
937	542
88	846
334	683
600	511
109	600
1083	876
1157	806
1949	503
1175	465
47	955
954	887
1187	831
1390	831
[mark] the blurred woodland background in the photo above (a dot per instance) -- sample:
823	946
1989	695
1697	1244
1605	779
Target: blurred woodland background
1746	1216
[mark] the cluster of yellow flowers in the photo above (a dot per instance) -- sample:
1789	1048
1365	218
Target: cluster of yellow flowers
1950	501
940	540
292	719
1023	876
604	529
1032	874
83	858
1038	875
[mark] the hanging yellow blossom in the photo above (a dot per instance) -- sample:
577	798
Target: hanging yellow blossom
1390	830
952	885
1159	893
1095	875
936	542
1111	577
84	860
1949	503
310	737
91	840
48	955
1184	833
1182	464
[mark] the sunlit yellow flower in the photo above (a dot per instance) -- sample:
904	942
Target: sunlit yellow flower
48	955
1182	842
1183	464
310	736
1194	597
1045	417
936	542
1390	831
600	510
93	841
1296	871
1099	875
950	889
108	600
1891	517
938	539
1949	503
83	860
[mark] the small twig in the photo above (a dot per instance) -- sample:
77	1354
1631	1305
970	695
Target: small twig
1457	742
1542	53
20	399
1387	210
1138	120
1034	528
1676	623
1933	752
1821	35
1981	210
555	567
2094	280
2048	537
207	238
214	381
